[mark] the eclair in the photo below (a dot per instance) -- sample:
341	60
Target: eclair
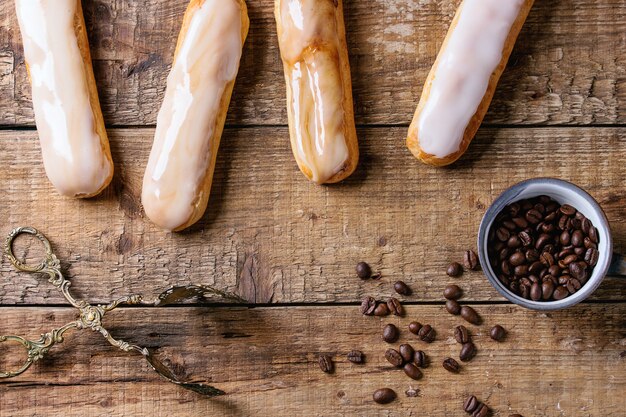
312	41
177	180
462	82
71	130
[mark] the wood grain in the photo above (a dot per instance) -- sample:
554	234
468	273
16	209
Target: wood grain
275	237
568	67
266	359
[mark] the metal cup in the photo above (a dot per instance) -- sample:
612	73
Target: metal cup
564	193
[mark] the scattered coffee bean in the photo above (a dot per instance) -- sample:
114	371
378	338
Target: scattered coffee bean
414	327
461	335
420	359
471	404
470	315
497	333
401	288
384	395
451	365
356	356
481	411
453	307
381	310
454	269
368	305
470	259
394	357
407	352
427	334
412	371
452	292
395	307
390	333
326	363
363	270
468	351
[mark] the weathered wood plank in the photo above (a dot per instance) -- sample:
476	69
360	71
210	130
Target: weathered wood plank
569	66
279	238
266	359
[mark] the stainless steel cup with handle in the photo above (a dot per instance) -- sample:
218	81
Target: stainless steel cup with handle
563	192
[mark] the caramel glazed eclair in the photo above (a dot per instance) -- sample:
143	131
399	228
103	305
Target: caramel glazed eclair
180	169
73	139
461	83
312	41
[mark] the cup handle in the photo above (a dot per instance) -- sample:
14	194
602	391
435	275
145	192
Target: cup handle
618	266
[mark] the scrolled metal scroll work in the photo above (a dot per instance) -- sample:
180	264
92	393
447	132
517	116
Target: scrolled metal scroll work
91	316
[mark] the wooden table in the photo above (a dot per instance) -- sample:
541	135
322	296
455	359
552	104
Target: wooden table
290	247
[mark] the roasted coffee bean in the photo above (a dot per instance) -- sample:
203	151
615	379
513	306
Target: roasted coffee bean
580	251
536	267
453	307
547	288
395	307
451	365
533	216
547	259
468	351
326	363
407	352
579	270
591	256
471	404
390	333
513	209
526	239
578	238
401	288
554	270
532	255
524	291
503	234
414	327
542	241
568	210
420	359
525	281
586	225
560	293
563	279
381	310
470	315
497	333
394	357
470	259
589	244
427	334
368	305
517	258
514	242
412	371
461	335
356	356
565	238
505	267
520	222
452	292
535	292
363	270
593	234
481	411
567	251
573	285
548	227
454	269
509	225
504	254
384	395
520	270
569	259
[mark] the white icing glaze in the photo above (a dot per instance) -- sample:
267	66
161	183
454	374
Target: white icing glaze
465	66
185	139
73	154
309	45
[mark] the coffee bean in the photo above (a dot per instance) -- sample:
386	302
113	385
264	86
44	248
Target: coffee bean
509	225
578	238
524	290
593	234
520	222
568	260
535	292
573	285
452	292
536	267
394	357
505	267
407	352
547	259
568	210
451	365
547	288
497	333
381	310
454	269
420	359
503	234
384	395
470	259
461	335
368	305
589	244
517	259
395	307
526	239
414	327
427	334
401	288
390	333
481	411
468	351
356	356
560	293
412	371
471	404
470	315
520	270
326	363
578	270
591	256
542	241
565	238
453	307
532	255
514	242
363	270
554	270
533	216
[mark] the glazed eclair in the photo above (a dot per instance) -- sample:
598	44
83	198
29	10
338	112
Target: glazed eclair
177	181
312	41
73	139
462	82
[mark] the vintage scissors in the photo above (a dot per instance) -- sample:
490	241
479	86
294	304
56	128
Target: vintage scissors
91	316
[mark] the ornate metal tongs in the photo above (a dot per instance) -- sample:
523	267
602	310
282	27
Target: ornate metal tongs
91	316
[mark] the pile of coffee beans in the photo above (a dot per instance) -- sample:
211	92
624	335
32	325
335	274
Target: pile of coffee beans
542	250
